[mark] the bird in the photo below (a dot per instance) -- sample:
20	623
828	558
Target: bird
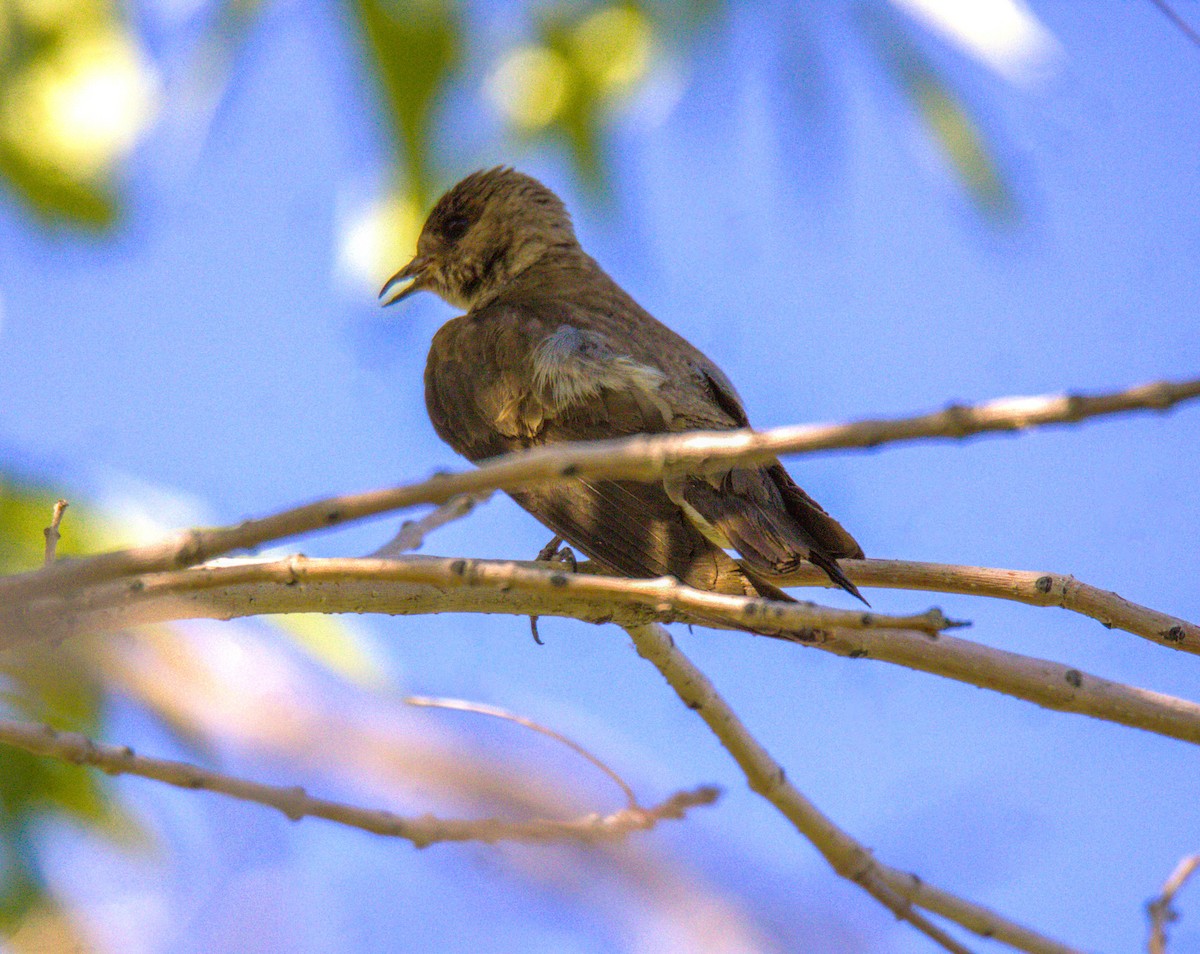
550	349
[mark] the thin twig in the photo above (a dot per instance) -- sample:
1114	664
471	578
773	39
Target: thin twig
463	705
51	532
431	584
895	889
1184	27
296	803
643	457
1160	910
413	532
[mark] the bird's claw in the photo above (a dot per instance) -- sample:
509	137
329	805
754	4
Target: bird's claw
555	552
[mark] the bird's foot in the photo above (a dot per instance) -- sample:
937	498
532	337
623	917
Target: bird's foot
555	552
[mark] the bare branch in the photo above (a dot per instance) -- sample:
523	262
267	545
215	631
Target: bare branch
643	457
433	584
462	705
661	598
1048	684
51	532
1160	910
296	803
850	859
1022	586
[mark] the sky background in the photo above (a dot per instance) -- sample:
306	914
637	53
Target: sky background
797	224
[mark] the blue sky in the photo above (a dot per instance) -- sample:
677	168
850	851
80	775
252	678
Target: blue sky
832	265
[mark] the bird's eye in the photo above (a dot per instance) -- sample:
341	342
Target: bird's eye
455	227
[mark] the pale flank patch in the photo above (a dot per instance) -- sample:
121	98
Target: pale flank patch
572	366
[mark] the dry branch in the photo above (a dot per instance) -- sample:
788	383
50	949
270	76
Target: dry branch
898	890
644	457
663	596
1021	586
418	585
296	803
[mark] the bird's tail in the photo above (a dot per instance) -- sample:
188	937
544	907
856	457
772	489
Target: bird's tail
834	572
822	560
764	588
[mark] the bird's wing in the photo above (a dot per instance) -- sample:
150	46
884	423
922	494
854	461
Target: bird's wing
486	397
506	378
636	530
587	389
761	511
830	535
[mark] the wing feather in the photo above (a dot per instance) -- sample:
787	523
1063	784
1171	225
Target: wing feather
510	377
634	529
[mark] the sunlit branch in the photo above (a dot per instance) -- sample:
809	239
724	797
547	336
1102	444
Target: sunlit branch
296	803
850	859
1022	586
419	585
644	457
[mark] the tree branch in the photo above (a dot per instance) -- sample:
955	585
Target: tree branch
296	803
897	890
1021	586
418	585
644	457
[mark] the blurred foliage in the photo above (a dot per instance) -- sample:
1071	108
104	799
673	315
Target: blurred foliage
944	114
77	91
66	688
61	689
75	94
579	67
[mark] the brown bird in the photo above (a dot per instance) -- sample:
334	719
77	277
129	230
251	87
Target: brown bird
551	350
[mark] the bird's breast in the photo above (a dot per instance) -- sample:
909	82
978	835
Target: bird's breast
479	386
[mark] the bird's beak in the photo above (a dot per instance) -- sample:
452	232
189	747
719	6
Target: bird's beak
414	270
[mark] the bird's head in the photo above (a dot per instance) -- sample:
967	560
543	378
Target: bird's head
481	234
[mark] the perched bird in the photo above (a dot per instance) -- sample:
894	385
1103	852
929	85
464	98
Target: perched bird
550	350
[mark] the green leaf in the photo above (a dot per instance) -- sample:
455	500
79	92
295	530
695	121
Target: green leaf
413	47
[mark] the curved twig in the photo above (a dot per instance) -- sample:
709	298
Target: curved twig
495	712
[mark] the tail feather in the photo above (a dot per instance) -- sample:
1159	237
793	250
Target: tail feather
834	572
